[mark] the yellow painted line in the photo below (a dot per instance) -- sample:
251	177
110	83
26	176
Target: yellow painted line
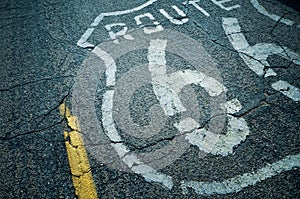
78	160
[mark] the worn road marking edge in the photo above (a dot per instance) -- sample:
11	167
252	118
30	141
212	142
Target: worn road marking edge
82	42
78	160
274	17
239	182
255	57
117	13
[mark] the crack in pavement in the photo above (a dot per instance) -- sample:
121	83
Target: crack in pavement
36	129
31	132
34	81
78	159
276	24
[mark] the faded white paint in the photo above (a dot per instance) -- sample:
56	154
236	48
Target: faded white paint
287	89
152	175
166	87
112	133
274	17
147	30
232	106
212	86
180	79
256	56
82	42
118	13
156	58
194	3
239	182
217	144
187	125
121	150
129	159
110	65
240	44
113	35
107	118
174	20
168	99
137	166
221	3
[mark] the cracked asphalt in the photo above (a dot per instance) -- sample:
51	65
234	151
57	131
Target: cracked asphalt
41	62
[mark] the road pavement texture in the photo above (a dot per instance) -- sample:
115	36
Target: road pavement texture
149	99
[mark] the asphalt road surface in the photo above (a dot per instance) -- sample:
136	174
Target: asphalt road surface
149	99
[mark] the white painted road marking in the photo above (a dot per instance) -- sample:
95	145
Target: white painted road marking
147	30
113	35
287	89
182	19
167	86
110	63
134	163
168	99
274	17
239	182
194	3
174	20
107	119
221	3
256	56
82	42
117	13
217	144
